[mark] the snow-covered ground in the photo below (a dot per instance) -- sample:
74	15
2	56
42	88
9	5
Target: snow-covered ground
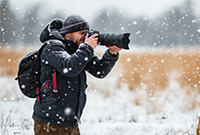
109	111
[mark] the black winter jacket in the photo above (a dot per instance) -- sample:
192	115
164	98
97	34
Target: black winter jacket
70	63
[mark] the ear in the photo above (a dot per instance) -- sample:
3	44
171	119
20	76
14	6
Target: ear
67	35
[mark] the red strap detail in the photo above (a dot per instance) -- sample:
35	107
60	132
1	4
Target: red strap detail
55	90
37	91
46	84
38	98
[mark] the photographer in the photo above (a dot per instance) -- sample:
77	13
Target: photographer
64	61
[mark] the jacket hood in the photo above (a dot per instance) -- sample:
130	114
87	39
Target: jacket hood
52	31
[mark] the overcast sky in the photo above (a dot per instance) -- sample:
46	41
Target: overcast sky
89	8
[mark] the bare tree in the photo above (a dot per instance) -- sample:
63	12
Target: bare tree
7	23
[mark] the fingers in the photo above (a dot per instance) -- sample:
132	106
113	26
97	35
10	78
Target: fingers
114	49
87	35
117	48
94	36
92	40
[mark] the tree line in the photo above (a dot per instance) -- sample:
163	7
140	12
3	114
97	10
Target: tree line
22	28
177	26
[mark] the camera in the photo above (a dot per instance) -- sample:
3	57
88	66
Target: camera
120	40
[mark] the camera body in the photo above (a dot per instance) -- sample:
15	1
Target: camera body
107	39
92	32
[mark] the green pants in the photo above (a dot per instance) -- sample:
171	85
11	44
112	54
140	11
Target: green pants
43	128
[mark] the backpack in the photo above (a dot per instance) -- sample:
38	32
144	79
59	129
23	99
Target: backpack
28	75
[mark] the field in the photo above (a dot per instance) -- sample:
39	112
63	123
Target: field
153	92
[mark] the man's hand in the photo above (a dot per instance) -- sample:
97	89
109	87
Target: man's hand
113	49
92	40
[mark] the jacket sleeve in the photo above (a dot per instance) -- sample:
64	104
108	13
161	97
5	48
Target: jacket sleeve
57	57
101	67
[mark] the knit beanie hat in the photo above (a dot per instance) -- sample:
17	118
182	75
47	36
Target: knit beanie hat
74	23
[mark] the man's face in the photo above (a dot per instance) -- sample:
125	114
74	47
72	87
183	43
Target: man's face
76	36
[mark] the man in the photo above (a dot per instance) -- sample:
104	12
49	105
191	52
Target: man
64	61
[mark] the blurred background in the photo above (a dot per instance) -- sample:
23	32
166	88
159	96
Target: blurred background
156	81
151	23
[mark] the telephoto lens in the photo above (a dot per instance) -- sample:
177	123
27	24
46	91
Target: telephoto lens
107	39
120	40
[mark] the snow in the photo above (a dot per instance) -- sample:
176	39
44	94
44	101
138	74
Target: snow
65	70
109	110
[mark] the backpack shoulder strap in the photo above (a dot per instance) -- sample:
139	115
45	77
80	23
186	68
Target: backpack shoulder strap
42	47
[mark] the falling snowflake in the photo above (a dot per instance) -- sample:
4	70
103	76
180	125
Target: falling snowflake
23	86
68	111
134	22
98	73
86	58
94	62
2	29
65	70
128	59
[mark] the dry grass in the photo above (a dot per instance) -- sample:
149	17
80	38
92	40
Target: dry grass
9	59
155	69
151	69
